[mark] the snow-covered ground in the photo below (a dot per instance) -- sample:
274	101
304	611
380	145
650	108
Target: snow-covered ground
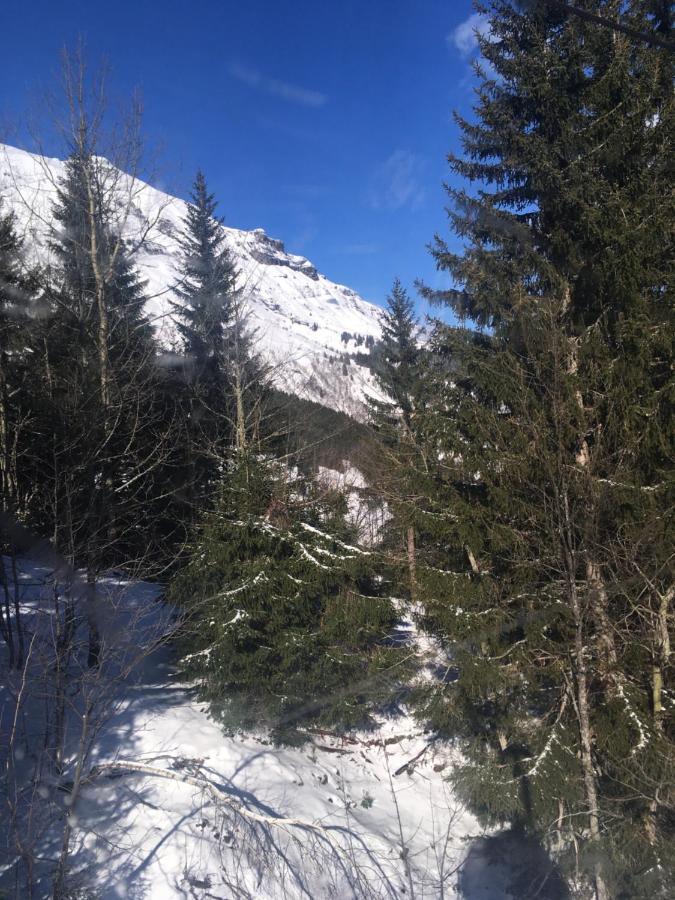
301	316
173	807
368	514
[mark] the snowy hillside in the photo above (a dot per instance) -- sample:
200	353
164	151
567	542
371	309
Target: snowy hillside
301	316
171	806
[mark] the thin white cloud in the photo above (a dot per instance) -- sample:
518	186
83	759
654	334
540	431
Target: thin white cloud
289	92
463	38
396	182
364	249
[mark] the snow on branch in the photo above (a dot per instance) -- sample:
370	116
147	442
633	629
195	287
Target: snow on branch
335	540
641	729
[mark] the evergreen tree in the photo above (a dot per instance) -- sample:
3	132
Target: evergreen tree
208	286
284	625
213	339
552	444
18	288
102	422
398	361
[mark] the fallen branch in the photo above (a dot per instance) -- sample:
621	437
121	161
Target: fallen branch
216	794
407	765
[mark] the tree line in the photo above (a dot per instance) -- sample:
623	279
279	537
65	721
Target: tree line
524	454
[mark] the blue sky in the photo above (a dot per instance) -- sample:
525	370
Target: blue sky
326	124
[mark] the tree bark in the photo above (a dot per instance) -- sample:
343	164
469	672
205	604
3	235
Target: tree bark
412	561
585	735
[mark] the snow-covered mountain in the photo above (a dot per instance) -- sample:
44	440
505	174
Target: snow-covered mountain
307	325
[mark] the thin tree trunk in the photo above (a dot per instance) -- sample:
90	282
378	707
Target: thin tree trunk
582	703
100	281
412	561
585	735
9	637
599	605
473	562
597	590
661	653
65	630
5	494
62	864
17	610
94	650
661	661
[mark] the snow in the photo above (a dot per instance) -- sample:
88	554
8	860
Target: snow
168	836
369	515
300	314
222	815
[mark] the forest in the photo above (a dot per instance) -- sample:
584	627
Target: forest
499	576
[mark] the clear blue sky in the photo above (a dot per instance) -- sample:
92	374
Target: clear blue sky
326	124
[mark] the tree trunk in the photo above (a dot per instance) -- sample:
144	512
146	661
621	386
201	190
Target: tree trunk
661	653
585	735
9	635
59	892
94	650
582	704
17	611
100	281
6	493
240	411
599	606
412	561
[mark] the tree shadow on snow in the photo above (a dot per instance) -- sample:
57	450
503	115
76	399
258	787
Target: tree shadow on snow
510	866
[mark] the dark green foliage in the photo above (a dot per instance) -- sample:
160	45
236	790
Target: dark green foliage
18	288
399	363
398	360
84	238
18	291
208	324
18	285
102	429
313	435
284	625
549	444
207	288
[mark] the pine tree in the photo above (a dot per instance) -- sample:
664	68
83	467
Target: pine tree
398	363
212	337
284	625
552	443
18	288
208	287
102	421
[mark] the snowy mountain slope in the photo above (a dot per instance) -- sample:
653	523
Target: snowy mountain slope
300	315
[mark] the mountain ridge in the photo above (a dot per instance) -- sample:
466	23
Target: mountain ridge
310	329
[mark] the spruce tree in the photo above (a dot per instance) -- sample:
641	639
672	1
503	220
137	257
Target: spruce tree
398	363
206	320
553	445
283	623
18	289
98	368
